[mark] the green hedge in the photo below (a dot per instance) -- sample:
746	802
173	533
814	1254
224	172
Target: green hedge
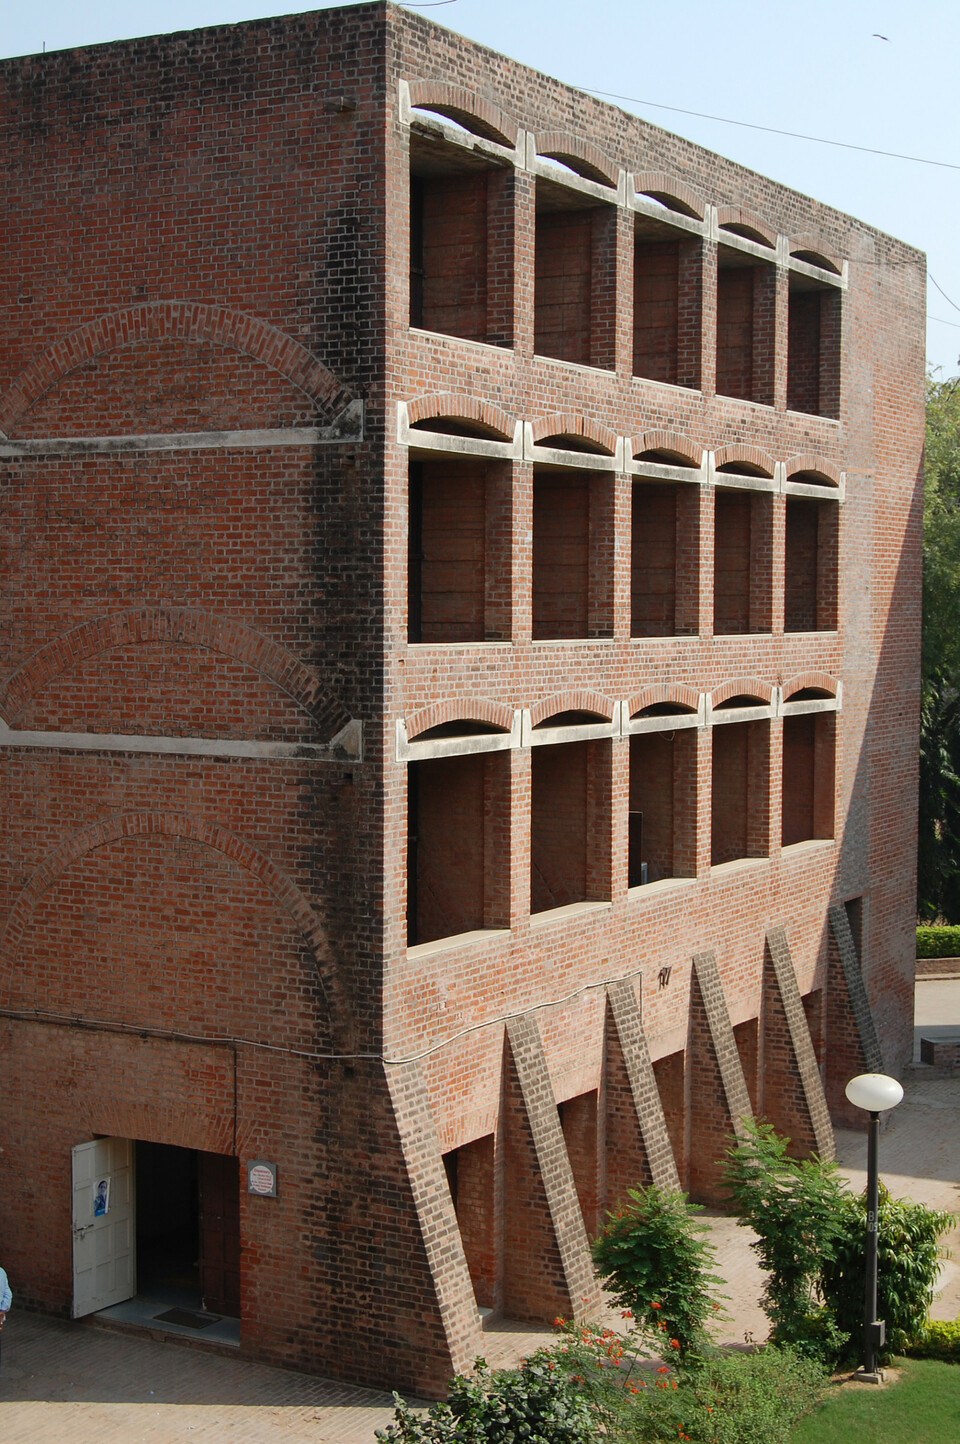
941	942
939	1339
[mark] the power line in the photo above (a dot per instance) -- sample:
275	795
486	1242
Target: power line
942	322
944	295
773	130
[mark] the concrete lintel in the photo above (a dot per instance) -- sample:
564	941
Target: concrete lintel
817	493
347	746
660	471
457	445
568	459
346	429
416	751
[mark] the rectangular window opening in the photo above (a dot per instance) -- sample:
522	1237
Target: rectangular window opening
663	806
472	1178
740	791
457	846
665	544
461	243
746	305
808	777
569	824
810	565
667	293
742	562
575	278
572	555
459	551
578	1120
813	348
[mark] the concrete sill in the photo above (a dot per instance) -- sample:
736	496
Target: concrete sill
572	641
460	340
457	940
810	844
454	646
662	885
575	365
720	870
671	386
567	912
813	416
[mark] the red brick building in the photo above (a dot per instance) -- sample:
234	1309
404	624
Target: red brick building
458	677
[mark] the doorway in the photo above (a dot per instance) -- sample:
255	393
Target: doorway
157	1235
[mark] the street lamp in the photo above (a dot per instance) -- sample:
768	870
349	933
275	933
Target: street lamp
875	1093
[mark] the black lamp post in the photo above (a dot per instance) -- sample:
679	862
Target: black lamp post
875	1093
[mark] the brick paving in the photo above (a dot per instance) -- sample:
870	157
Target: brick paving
65	1381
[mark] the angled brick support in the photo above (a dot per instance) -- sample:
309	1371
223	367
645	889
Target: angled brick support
793	1097
718	1090
852	1045
637	1144
547	1265
456	1304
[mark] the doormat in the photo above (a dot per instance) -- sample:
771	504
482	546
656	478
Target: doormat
186	1319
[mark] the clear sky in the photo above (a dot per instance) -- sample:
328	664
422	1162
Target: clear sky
818	67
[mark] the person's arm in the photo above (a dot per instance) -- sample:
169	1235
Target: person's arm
6	1298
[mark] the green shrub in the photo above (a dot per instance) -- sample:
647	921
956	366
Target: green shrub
938	1339
908	1259
655	1262
938	942
796	1206
729	1398
540	1402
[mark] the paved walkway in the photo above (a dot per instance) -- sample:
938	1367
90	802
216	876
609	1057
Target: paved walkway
76	1382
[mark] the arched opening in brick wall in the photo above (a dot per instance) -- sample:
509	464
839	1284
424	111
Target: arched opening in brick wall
667	302
808	778
575	276
663	805
458	568
742	561
573	516
458	844
569	824
813	347
746	303
740	791
664	559
461	240
810	565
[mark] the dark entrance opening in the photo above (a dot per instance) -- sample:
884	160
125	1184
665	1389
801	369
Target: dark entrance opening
188	1227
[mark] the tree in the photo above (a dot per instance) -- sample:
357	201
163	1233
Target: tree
938	852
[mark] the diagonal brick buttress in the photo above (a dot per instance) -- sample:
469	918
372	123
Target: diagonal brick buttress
548	1269
719	1100
637	1145
793	1097
452	1289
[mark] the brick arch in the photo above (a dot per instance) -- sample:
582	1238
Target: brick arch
821	680
195	829
751	455
173	320
570	423
667	441
474	112
809	243
187	625
675	194
742	687
478	709
663	692
464	408
810	461
732	216
580	155
573	700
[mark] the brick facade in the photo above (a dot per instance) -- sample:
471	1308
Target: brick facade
460	595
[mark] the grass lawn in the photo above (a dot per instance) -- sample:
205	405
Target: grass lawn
922	1407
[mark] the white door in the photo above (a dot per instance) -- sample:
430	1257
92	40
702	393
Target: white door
104	1229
